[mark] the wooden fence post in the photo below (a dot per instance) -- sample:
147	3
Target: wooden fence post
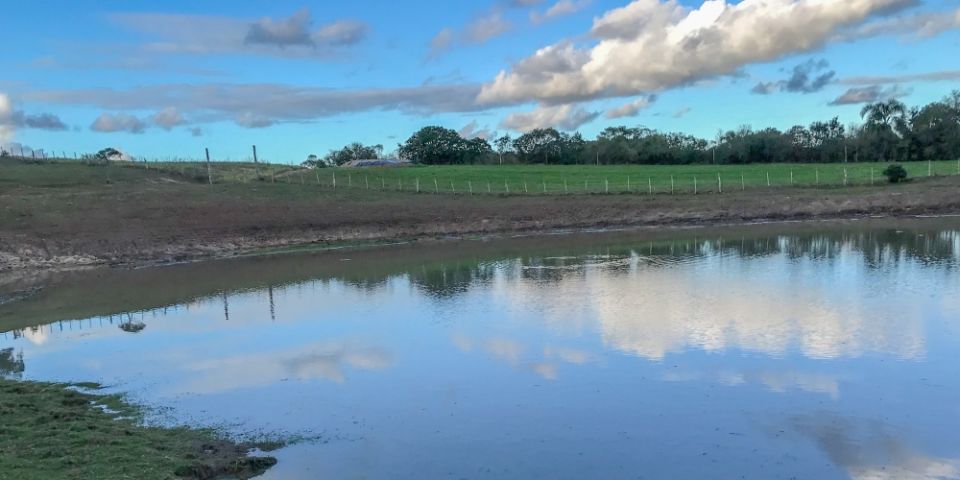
768	179
209	171
649	186
671	185
719	183
256	164
694	184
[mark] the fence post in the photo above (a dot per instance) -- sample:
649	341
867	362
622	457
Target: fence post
383	183
694	184
418	184
628	183
525	186
506	186
844	176
334	179
871	176
817	171
349	180
256	164
671	185
791	177
719	183
544	186
452	188
606	184
566	190
768	178
649	186
743	184
489	190
315	170
470	186
436	186
929	168
209	171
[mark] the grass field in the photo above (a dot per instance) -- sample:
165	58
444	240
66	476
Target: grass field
560	179
517	179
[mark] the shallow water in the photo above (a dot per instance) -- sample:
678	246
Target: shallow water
811	352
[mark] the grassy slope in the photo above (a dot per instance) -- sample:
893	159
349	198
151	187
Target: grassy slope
48	432
119	214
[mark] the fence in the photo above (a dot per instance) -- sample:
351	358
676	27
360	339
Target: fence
554	180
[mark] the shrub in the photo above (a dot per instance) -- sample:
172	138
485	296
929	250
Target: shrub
896	173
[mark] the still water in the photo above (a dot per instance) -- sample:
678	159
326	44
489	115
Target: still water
824	352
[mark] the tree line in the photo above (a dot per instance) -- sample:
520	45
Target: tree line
890	132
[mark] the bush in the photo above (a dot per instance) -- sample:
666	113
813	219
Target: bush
896	173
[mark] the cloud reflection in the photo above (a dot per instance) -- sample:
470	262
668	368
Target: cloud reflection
328	361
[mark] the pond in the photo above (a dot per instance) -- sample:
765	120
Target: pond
824	351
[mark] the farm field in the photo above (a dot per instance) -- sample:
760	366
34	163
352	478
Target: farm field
561	179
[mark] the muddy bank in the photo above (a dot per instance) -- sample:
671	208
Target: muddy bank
133	225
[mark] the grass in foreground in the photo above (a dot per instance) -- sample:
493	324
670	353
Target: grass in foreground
52	431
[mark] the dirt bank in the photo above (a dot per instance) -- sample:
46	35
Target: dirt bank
157	222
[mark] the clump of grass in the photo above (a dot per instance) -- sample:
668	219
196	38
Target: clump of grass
54	431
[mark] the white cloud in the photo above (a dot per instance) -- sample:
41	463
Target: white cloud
6	112
441	42
681	112
653	45
559	9
293	36
120	122
253	120
631	109
564	117
486	27
916	26
168	118
473	130
12	119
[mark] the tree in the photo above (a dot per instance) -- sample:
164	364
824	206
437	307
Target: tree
537	145
896	173
354	151
443	146
503	146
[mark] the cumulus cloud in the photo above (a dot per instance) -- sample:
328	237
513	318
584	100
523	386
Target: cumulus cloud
631	109
873	93
120	122
6	110
293	36
808	77
559	9
564	117
168	118
653	45
12	119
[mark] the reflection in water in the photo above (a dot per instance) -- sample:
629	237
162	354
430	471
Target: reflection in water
693	358
869	450
11	364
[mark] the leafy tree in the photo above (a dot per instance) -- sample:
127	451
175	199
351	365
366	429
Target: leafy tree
503	146
896	173
443	146
354	151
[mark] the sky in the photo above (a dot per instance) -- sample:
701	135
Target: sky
165	80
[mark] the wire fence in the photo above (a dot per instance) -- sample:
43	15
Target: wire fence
552	180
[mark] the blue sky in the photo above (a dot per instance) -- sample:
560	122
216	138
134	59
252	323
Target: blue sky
166	79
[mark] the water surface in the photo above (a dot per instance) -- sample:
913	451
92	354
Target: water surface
823	352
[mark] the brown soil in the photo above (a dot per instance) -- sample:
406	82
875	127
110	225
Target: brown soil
159	223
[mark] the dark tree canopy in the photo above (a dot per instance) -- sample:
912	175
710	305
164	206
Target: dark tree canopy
443	146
